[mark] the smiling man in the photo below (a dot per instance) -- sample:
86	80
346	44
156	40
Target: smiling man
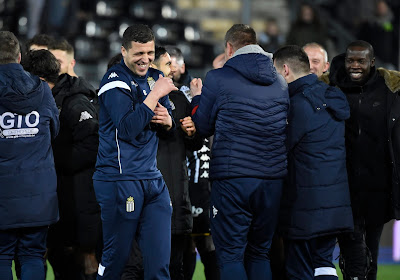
318	58
133	197
373	154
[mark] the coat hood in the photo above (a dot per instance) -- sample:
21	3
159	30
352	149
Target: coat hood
67	86
20	92
333	100
254	63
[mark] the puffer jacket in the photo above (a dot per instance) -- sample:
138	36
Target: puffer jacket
316	198
244	104
28	124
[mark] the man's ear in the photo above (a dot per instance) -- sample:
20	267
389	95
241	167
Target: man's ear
327	65
123	51
286	70
229	50
373	62
19	58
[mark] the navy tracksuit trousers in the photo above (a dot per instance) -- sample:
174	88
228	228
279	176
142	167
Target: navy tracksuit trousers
135	208
244	213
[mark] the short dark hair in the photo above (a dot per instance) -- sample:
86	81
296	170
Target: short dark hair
240	35
160	51
139	33
363	44
9	48
40	40
295	57
63	45
44	64
116	59
175	52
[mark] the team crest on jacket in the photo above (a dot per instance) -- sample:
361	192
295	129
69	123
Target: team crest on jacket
151	82
130	204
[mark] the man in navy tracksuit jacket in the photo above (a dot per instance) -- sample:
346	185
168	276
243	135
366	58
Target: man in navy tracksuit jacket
244	104
28	188
133	197
315	203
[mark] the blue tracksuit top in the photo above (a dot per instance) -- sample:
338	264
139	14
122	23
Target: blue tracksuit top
244	104
28	124
128	141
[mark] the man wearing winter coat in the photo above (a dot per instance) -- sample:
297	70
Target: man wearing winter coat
28	188
244	104
75	149
373	154
316	201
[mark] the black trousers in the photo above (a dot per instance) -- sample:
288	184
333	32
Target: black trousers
134	267
358	248
206	249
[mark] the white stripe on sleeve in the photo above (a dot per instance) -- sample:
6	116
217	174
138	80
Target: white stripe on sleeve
113	84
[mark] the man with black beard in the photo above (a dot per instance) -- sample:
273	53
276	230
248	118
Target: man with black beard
373	154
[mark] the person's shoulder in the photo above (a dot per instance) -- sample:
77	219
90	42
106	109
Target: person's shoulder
115	73
115	77
178	95
324	78
154	73
392	79
218	74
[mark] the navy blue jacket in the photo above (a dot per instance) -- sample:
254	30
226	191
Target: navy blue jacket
244	104
128	141
316	198
28	123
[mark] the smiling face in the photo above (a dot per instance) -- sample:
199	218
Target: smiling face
358	64
139	57
165	65
318	60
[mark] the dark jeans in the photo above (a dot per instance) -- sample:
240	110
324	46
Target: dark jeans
358	247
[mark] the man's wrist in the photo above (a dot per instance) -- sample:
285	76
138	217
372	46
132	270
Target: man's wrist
168	126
